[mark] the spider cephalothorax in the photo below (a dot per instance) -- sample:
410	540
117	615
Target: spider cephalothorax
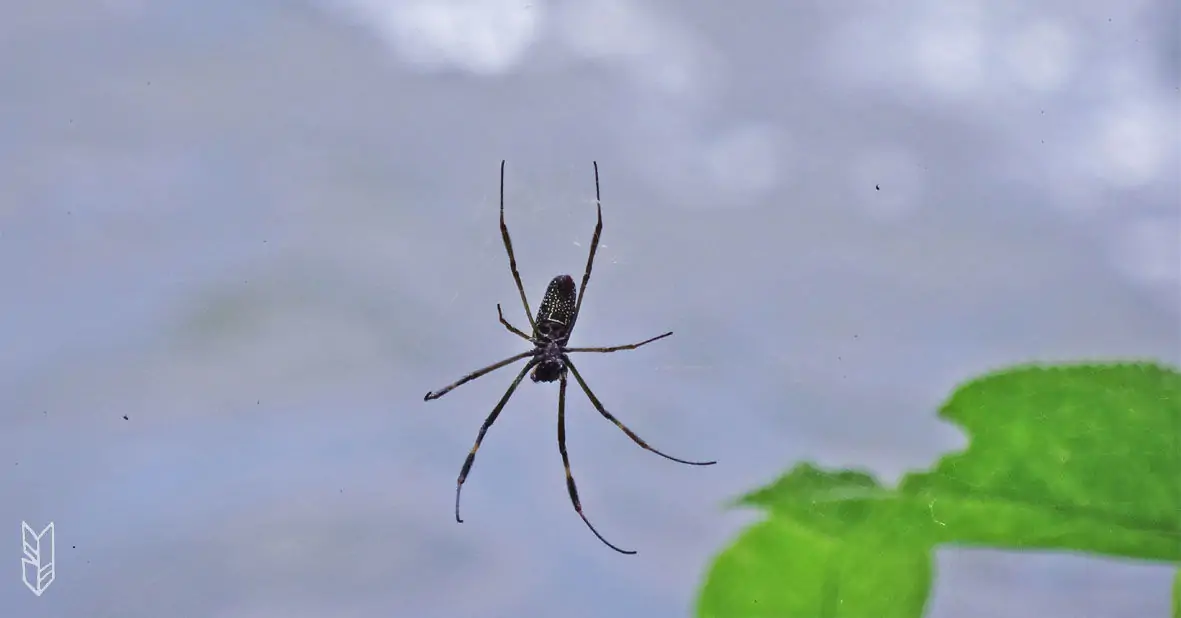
548	359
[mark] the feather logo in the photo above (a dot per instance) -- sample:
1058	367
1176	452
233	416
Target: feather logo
38	561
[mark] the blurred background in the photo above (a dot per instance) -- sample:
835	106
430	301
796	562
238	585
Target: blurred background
239	242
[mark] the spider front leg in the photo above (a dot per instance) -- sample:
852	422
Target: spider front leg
630	346
477	373
570	486
471	456
631	434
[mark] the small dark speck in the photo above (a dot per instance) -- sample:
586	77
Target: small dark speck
877	187
257	402
125	417
73	547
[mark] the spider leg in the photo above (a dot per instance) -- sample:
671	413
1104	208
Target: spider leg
471	456
590	260
508	246
631	434
630	346
475	374
566	462
512	329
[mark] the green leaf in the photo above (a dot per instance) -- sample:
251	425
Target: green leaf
1177	594
824	555
1077	457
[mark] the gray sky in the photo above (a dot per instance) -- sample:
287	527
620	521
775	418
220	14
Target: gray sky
262	231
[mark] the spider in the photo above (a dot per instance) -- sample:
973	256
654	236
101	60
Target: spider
548	359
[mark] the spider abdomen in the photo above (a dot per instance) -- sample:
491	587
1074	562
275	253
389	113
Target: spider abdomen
556	314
